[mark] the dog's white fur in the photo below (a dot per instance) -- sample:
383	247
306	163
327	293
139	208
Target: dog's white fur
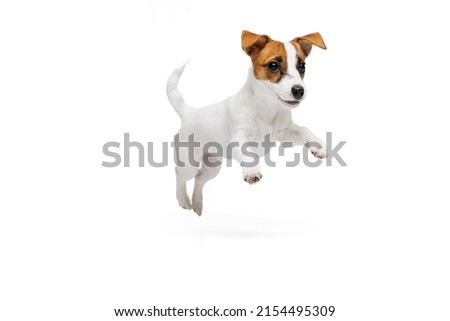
256	110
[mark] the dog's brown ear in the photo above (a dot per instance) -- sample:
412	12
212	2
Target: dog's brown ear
307	41
253	43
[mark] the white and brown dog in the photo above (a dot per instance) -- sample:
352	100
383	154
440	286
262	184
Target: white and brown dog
263	106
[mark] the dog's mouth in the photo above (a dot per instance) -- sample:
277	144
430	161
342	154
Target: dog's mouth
290	103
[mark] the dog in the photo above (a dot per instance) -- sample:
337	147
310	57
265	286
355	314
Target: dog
262	106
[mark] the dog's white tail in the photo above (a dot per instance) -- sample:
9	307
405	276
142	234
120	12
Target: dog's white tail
175	97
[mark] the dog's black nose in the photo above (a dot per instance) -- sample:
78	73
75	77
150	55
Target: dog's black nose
297	91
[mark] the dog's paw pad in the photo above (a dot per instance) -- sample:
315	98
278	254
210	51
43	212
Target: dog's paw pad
253	178
319	154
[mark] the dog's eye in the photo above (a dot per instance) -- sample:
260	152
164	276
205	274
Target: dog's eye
273	66
301	67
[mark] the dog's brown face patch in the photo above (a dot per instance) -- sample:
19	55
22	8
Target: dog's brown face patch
301	56
270	58
271	62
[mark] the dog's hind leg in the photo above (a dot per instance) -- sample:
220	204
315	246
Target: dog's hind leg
205	174
183	175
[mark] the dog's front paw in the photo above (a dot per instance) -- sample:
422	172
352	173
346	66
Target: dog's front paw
251	175
253	178
319	153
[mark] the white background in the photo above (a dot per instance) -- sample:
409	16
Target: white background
78	240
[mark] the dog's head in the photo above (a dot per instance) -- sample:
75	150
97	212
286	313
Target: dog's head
280	67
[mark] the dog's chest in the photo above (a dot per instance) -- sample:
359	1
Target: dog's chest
262	129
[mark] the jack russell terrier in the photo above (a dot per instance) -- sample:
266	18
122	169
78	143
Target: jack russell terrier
263	106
